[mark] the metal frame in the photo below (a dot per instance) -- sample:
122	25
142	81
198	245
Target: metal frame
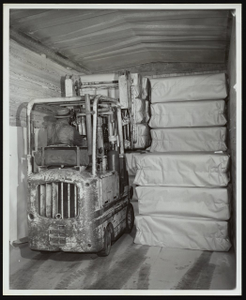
94	113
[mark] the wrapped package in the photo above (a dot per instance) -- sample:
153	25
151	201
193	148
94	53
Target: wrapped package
133	186
139	111
188	233
143	139
211	203
183	169
194	87
131	161
145	88
136	85
188	139
188	114
123	91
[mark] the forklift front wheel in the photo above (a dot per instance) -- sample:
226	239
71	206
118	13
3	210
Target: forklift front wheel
129	218
107	242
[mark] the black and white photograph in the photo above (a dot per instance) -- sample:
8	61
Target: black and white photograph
122	149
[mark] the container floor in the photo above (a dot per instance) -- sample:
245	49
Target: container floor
128	267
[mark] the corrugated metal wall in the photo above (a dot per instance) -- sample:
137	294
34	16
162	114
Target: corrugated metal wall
104	40
31	76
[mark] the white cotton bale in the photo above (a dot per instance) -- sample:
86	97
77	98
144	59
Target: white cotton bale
131	161
145	88
188	114
188	139
183	169
192	87
211	203
143	139
185	233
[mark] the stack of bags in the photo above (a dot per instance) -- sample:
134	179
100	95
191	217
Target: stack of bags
140	88
140	95
182	192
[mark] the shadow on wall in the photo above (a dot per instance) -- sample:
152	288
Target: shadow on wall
21	114
18	173
18	183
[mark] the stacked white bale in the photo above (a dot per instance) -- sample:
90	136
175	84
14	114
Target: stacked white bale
184	139
187	233
182	192
212	203
188	114
140	99
131	161
143	139
195	87
185	170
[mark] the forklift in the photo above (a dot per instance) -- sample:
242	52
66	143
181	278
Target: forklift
79	197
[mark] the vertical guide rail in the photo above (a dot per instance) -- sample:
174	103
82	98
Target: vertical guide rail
68	200
94	136
120	131
62	199
75	200
88	122
54	199
48	200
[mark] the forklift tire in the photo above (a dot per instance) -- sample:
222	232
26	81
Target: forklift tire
107	242
129	218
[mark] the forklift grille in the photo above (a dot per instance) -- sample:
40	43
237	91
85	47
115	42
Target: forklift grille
58	200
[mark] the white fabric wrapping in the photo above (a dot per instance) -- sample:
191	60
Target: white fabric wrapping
188	233
143	136
211	203
136	86
184	169
188	139
188	114
131	161
134	196
145	88
195	87
139	110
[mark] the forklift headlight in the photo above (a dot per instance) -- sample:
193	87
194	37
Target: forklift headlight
30	217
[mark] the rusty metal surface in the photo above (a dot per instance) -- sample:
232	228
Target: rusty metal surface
98	205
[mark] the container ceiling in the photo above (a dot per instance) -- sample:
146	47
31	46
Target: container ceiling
109	39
